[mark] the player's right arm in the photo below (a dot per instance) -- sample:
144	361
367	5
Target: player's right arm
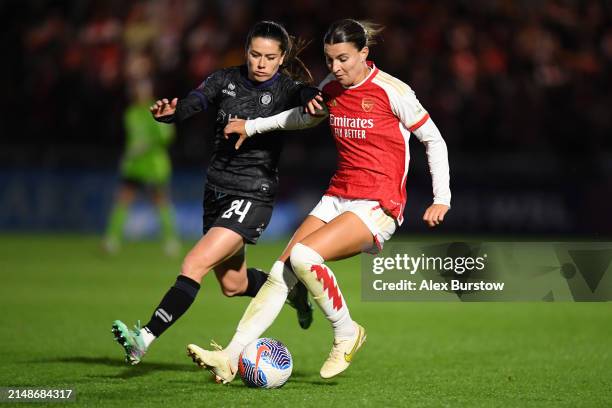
310	114
177	110
162	108
292	119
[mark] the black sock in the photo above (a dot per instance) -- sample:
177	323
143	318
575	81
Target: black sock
256	278
176	302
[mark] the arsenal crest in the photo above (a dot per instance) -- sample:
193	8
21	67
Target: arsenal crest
367	104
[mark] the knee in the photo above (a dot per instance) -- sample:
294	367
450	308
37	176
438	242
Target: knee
302	258
230	292
231	289
195	267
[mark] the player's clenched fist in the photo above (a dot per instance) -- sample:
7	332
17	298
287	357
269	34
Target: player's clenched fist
163	107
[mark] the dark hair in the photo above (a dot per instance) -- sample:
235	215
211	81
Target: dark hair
289	45
360	33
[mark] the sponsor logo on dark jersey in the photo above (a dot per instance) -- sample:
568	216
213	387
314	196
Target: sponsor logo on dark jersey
228	92
231	90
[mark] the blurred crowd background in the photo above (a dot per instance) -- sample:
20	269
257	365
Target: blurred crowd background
521	91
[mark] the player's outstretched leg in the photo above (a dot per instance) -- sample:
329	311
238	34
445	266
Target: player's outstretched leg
216	361
297	297
131	340
321	282
258	316
172	306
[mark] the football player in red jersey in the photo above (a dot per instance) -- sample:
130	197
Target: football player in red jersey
371	116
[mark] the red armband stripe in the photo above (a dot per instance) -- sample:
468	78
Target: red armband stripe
419	123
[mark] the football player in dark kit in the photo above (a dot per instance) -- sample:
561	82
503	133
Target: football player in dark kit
241	183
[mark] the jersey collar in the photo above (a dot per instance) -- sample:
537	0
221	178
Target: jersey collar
373	72
255	84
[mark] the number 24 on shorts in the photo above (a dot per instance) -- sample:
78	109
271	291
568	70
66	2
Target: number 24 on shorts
235	209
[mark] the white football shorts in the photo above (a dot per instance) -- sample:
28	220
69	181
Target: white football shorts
373	216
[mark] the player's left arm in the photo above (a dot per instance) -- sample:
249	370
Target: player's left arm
437	157
416	119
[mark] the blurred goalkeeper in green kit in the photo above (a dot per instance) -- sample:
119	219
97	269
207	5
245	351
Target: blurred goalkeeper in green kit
145	167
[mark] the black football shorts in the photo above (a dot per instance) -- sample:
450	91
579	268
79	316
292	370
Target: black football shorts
243	215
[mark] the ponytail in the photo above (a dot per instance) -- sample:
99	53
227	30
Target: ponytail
293	66
360	33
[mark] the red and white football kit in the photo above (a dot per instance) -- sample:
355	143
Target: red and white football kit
371	123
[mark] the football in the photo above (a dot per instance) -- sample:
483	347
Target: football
265	363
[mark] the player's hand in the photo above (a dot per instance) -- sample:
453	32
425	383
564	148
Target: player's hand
316	106
434	215
163	107
236	126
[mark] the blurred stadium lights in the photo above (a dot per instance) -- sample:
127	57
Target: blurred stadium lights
520	91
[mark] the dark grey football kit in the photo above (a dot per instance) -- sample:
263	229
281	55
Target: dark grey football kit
241	184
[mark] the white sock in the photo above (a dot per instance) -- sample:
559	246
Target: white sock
147	336
321	283
263	309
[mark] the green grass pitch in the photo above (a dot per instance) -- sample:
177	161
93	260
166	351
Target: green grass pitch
59	295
